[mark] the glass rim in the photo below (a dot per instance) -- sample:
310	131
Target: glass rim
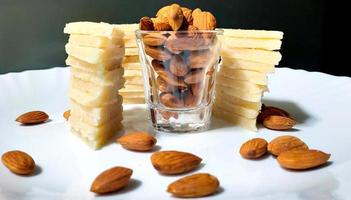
216	31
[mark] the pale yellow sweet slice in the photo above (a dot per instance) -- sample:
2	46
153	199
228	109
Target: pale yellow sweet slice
128	28
132	52
247	123
106	65
236	109
131	59
240	85
133	100
95	41
220	97
96	116
96	137
242	33
134	80
233	63
254	43
130	42
93	28
244	95
85	98
133	73
132	88
244	75
255	55
132	94
131	66
94	55
98	77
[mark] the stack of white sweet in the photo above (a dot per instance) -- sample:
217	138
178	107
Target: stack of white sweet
133	91
95	53
247	57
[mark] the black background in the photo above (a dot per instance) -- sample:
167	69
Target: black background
31	34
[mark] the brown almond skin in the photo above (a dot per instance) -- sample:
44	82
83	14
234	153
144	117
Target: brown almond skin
199	59
171	101
175	16
196	185
154	39
254	148
178	66
188	18
18	162
146	24
204	20
111	180
279	123
161	24
137	141
271	110
302	159
158	53
67	114
174	162
285	143
194	77
33	117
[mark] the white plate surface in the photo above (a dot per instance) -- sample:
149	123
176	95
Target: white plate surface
66	166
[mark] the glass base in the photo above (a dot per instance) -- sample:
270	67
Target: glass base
181	121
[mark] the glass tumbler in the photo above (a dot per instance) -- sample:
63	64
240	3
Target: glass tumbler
179	76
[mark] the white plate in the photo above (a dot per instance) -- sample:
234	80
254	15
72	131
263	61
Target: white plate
320	102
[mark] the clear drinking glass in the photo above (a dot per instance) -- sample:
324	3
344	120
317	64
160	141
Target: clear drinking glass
179	76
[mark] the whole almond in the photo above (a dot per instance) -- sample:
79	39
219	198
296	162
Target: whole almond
271	110
196	185
177	43
285	143
178	66
199	59
154	39
163	86
175	16
137	141
302	159
203	20
161	24
188	18
174	162
146	24
194	77
33	117
171	101
18	162
67	114
254	148
158	53
111	180
280	123
173	80
163	12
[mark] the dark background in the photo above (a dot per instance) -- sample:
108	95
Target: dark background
31	34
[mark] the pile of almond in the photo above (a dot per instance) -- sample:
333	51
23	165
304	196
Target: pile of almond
292	153
182	53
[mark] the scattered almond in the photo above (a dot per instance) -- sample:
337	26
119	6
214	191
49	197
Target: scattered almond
174	162
302	159
33	117
18	162
137	141
111	180
271	110
67	114
254	148
196	185
285	143
279	123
